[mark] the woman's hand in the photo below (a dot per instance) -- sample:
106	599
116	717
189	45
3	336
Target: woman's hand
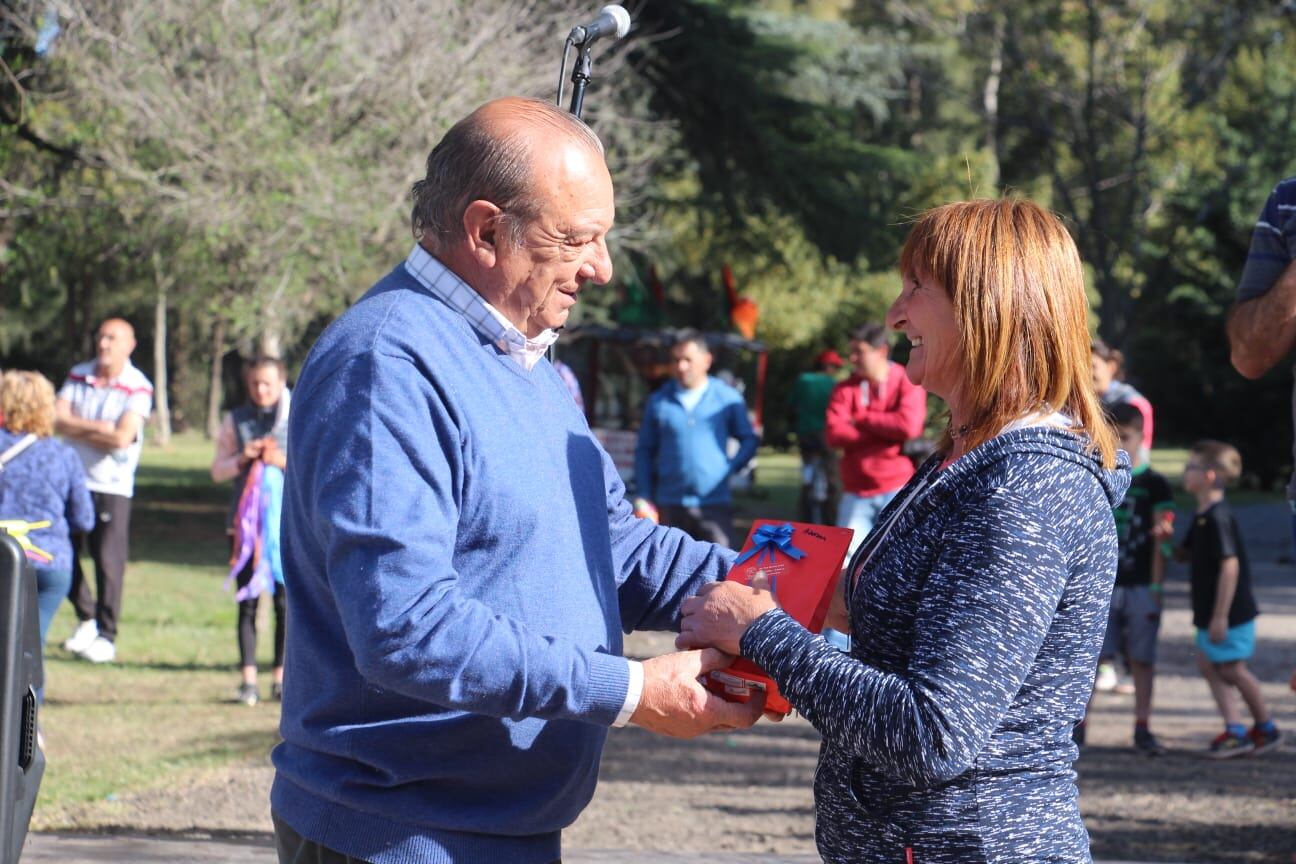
252	450
273	455
720	614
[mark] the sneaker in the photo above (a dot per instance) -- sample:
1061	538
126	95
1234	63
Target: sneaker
1227	745
1105	681
1146	742
86	632
276	692
1265	741
100	650
247	694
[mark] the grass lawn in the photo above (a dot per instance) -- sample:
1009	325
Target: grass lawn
164	712
164	715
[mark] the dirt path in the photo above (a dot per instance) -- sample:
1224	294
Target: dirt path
750	792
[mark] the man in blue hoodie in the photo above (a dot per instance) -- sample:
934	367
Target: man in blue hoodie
462	557
682	462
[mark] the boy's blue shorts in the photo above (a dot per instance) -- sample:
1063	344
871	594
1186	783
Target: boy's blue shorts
1238	644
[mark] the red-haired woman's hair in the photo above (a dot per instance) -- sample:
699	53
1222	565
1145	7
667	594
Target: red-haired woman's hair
1013	274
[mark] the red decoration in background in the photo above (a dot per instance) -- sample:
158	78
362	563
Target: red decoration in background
743	312
655	287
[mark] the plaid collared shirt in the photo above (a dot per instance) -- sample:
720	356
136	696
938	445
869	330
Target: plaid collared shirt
443	283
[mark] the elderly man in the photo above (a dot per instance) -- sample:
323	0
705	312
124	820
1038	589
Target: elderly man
101	410
461	557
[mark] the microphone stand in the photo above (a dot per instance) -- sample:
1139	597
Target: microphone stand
580	76
581	70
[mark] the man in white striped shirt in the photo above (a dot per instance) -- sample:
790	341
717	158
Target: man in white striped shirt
101	411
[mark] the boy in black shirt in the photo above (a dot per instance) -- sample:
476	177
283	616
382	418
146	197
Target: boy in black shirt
1224	609
1143	519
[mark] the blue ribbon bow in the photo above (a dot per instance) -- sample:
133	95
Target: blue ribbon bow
769	541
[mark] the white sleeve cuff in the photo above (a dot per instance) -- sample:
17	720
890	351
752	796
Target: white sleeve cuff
634	690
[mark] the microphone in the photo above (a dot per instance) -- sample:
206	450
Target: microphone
613	20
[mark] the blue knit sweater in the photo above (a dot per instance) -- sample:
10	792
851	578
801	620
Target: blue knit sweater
976	625
462	562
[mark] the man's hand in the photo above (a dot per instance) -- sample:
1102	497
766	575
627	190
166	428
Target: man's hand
720	614
103	434
645	509
1218	631
674	703
69	425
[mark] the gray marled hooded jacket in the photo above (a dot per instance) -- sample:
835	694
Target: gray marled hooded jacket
977	624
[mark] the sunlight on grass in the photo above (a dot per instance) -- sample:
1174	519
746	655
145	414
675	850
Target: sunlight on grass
164	713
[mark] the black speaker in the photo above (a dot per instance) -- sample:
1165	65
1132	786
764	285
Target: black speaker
22	764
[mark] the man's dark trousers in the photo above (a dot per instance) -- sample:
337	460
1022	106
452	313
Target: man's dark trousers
296	849
109	548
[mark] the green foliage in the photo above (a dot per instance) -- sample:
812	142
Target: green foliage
176	664
262	150
772	112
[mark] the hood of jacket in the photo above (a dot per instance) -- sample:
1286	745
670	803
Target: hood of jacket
997	458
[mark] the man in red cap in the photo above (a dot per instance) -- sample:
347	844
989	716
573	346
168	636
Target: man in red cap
807	404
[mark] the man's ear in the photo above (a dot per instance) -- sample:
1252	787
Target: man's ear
481	222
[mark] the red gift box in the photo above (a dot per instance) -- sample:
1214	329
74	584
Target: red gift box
799	563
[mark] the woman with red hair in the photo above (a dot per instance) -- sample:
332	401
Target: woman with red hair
979	600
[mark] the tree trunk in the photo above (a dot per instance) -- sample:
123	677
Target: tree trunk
214	384
990	97
161	403
188	402
270	343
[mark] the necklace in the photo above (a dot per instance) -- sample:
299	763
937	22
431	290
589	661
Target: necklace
956	434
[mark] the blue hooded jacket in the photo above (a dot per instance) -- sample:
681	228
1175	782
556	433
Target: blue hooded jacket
977	623
682	456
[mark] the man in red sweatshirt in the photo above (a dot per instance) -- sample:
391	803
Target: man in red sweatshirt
870	416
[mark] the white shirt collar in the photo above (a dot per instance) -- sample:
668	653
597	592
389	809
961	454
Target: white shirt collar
1054	419
489	321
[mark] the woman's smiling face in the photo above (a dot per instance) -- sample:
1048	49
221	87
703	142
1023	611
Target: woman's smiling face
925	314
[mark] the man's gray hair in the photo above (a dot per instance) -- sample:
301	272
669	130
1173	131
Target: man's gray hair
475	161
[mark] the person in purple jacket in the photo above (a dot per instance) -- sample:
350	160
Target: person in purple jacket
41	481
